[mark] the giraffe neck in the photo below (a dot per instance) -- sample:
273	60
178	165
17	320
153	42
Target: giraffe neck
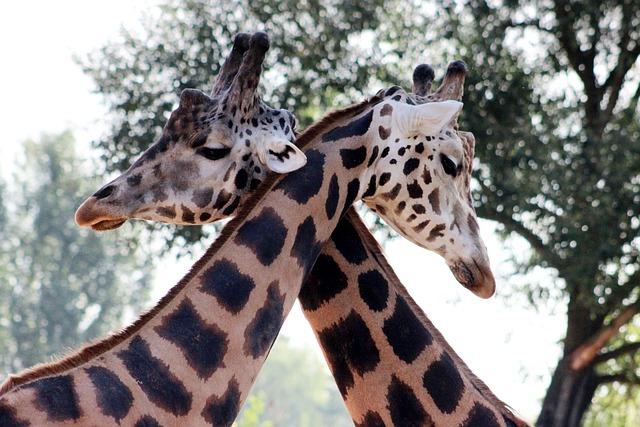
391	364
195	356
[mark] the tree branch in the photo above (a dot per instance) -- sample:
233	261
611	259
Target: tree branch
621	378
517	227
626	59
578	59
585	354
620	351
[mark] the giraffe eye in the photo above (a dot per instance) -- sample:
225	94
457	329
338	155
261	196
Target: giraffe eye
448	165
213	153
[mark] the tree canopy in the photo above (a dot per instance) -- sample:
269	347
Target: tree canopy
60	286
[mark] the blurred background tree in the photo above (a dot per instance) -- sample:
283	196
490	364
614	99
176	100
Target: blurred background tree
307	398
4	264
552	97
60	286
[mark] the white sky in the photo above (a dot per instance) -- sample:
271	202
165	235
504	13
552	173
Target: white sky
510	346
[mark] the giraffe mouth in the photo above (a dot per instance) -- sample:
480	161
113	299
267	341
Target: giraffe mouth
96	217
478	280
105	225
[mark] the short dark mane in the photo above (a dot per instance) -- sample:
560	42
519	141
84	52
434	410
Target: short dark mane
90	351
330	118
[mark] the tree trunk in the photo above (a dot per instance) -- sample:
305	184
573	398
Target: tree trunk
568	396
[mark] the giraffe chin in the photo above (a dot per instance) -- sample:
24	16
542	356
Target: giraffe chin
107	224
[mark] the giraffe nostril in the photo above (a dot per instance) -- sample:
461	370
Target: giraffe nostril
104	192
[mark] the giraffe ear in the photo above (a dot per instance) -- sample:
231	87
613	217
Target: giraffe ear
428	118
281	156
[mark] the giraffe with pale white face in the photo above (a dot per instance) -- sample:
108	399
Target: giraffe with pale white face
268	264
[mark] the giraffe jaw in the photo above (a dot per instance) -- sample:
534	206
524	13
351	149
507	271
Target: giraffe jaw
106	225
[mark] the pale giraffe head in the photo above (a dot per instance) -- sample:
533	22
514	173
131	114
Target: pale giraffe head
213	149
423	175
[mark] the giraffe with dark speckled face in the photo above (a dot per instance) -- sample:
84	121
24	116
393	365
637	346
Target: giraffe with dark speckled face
232	129
242	287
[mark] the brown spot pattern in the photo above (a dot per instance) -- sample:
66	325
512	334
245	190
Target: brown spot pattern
436	232
418	228
434	199
426	176
167	211
393	193
384	132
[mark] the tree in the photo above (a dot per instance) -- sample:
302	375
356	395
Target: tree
253	413
4	261
308	398
552	98
561	168
61	286
3	213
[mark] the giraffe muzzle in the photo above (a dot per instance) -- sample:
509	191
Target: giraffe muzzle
475	277
90	215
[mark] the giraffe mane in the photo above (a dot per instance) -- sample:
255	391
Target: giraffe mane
330	118
375	249
99	347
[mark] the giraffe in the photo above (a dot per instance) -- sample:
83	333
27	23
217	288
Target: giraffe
152	362
221	128
356	283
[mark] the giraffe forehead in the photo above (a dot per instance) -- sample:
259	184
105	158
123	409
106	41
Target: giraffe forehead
254	131
226	120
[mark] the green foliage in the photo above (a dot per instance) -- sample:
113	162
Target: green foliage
253	412
551	171
293	389
60	286
555	111
614	405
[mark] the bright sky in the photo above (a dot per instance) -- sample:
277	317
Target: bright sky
509	345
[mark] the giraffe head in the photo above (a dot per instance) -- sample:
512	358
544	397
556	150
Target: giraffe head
212	150
423	174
